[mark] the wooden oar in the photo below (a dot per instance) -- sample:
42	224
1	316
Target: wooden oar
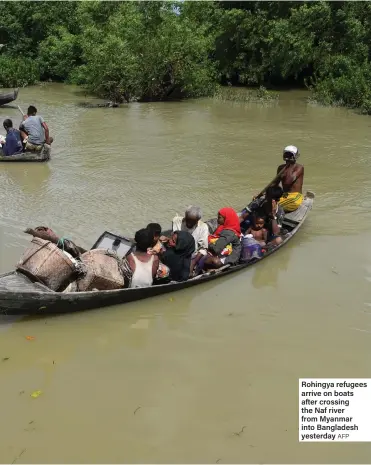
20	109
272	182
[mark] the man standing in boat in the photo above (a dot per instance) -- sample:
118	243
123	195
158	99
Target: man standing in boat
35	131
291	180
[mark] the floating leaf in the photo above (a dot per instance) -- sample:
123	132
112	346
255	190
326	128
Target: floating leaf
30	338
36	394
171	299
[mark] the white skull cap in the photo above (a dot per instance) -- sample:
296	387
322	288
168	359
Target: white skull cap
291	149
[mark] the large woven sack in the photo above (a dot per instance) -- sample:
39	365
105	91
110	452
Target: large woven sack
44	262
102	271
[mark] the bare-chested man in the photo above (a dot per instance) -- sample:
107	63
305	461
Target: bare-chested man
291	180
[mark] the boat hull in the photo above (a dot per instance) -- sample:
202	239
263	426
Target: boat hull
8	97
42	156
19	296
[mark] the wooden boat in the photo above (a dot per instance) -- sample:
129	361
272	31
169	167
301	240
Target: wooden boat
20	296
8	97
44	155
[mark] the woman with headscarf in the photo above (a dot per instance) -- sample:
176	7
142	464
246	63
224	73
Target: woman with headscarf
178	255
225	243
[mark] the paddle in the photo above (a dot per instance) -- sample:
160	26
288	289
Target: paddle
20	109
274	180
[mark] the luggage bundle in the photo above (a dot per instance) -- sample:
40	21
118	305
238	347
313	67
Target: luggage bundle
61	265
43	261
102	271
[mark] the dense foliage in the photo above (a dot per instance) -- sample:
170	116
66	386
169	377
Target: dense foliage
160	50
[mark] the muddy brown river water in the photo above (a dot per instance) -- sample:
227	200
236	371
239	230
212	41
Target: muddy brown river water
173	378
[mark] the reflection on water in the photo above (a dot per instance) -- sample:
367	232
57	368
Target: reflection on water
268	275
30	178
145	380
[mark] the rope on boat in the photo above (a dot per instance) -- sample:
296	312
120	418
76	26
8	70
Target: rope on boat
61	242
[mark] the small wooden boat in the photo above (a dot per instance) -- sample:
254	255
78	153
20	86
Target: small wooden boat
8	97
20	296
44	155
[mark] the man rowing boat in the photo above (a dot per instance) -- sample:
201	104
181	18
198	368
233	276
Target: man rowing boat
34	131
291	180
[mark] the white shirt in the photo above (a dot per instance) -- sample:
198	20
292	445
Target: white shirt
200	232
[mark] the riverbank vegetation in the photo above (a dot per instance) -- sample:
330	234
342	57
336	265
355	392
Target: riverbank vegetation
243	95
163	50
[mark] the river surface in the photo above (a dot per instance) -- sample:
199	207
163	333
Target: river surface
173	379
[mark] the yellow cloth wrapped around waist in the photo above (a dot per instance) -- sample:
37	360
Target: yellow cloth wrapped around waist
290	201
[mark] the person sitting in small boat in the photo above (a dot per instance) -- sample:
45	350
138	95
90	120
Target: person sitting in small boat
34	131
192	223
13	144
246	220
178	255
275	214
258	230
225	243
143	265
163	271
291	180
156	229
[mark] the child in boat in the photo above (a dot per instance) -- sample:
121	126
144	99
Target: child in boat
258	230
163	271
156	229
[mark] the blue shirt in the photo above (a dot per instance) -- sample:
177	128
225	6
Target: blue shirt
13	143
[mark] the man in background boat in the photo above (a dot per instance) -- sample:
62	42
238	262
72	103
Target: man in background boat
291	180
12	144
34	131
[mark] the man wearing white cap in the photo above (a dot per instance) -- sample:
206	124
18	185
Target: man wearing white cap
291	180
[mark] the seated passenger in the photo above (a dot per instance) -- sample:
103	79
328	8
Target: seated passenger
163	271
156	229
275	214
178	255
143	265
13	144
192	223
245	220
258	230
225	243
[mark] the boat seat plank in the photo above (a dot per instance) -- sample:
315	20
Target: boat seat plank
298	215
18	282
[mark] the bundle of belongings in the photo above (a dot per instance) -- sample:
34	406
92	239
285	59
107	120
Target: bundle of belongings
62	266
